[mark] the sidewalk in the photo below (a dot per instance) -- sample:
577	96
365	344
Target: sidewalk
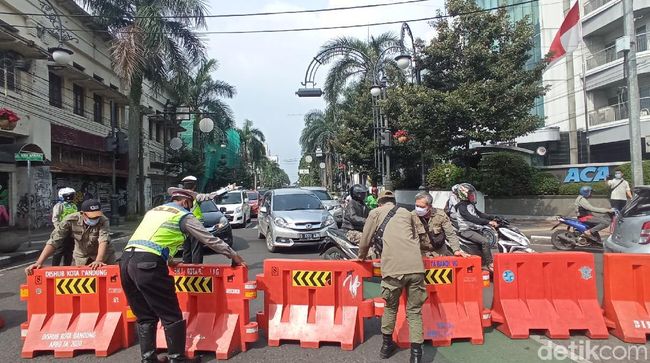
39	237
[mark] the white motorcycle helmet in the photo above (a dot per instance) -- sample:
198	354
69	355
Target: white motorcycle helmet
67	194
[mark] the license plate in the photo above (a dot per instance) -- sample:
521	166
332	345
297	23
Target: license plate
310	236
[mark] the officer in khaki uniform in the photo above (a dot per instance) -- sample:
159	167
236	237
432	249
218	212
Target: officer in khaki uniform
401	269
437	229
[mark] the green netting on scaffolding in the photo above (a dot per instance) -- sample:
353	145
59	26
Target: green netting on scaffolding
221	157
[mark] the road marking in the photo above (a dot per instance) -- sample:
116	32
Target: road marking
541	237
554	347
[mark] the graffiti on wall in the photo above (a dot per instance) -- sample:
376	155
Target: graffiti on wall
41	198
91	187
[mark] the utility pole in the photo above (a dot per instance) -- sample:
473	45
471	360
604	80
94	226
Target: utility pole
634	106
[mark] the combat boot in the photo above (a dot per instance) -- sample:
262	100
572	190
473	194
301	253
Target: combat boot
388	347
147	338
416	353
175	337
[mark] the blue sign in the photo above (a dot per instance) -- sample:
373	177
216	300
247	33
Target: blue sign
587	174
508	276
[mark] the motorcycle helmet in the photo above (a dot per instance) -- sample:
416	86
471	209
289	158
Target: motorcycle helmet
585	191
67	194
189	182
467	192
359	192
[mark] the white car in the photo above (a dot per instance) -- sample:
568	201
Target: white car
237	211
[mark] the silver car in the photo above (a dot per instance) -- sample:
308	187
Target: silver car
293	217
632	230
333	205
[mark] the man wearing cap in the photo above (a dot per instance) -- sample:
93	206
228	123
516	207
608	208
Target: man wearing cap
401	269
90	231
192	252
145	278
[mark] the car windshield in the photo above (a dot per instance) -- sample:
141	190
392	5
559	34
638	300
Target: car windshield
252	196
229	198
288	202
322	195
208	206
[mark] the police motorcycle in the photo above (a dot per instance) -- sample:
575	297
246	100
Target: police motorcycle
336	246
573	236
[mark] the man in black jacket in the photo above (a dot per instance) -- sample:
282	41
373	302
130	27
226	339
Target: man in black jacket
355	213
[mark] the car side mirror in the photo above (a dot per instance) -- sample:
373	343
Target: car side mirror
263	209
222	209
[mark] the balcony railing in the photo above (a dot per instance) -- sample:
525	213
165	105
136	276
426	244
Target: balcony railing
616	112
609	54
592	5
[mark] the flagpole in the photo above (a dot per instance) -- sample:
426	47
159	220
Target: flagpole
571	100
584	96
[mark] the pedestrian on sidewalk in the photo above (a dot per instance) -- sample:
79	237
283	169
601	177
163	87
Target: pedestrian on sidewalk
90	232
391	231
63	208
145	277
621	192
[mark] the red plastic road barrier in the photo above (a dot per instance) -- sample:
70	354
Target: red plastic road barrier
626	298
555	292
214	300
70	309
454	306
315	301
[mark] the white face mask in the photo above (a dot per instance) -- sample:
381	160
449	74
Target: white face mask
421	212
618	175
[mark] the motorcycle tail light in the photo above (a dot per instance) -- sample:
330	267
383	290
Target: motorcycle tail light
644	237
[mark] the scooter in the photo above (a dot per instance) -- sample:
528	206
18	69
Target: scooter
505	237
337	247
573	236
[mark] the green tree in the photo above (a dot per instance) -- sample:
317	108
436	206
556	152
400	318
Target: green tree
321	131
153	40
355	141
272	176
252	146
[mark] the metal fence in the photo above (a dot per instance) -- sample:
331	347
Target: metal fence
609	54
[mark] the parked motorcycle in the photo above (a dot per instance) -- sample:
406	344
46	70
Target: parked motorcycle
337	247
573	236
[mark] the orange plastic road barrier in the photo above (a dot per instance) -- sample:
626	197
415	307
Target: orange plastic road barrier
214	300
555	292
70	309
314	301
626	298
454	305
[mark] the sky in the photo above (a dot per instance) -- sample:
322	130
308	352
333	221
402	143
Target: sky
267	68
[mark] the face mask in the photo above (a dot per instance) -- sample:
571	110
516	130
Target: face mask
618	175
421	212
91	222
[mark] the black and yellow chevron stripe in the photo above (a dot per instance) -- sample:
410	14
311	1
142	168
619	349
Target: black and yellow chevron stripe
73	286
439	276
311	278
196	284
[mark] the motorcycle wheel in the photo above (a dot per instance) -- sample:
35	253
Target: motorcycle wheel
560	244
333	253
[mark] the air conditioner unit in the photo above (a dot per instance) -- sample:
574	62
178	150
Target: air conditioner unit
607	114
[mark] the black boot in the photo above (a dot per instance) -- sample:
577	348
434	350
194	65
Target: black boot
416	353
147	338
175	337
388	347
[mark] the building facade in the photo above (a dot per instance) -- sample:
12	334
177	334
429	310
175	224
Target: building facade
67	111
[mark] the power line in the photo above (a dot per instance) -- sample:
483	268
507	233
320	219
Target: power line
233	15
293	30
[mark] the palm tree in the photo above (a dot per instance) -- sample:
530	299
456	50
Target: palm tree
252	145
354	57
152	40
320	131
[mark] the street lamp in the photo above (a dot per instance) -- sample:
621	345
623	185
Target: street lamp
375	91
60	55
403	61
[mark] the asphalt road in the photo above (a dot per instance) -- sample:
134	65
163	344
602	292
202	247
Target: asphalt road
497	347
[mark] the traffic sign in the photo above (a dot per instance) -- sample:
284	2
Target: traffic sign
29	157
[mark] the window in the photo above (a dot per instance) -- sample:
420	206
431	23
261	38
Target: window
151	129
98	108
7	72
115	114
229	198
641	39
78	97
289	202
55	90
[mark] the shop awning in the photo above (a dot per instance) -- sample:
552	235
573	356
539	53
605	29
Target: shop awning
8	151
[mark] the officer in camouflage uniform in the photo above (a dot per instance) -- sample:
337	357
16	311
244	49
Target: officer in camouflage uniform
433	228
401	269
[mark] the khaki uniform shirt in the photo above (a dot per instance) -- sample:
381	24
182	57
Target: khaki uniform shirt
401	254
86	238
438	223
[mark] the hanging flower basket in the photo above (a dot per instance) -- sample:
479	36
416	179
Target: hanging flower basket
402	136
8	119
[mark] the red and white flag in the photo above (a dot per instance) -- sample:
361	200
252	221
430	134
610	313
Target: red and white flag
569	36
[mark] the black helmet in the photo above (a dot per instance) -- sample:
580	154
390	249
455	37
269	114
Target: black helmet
358	192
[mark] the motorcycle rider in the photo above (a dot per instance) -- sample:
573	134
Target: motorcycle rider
355	213
63	208
470	220
586	212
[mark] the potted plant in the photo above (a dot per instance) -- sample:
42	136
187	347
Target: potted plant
8	119
401	136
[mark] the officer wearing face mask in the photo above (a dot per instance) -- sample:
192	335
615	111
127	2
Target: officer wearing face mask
90	230
434	228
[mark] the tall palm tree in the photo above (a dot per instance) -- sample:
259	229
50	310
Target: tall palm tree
252	145
320	131
152	39
356	58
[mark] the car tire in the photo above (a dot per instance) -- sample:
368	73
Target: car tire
269	242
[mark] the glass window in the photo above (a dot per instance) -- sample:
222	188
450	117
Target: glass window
252	195
208	206
78	97
98	108
229	198
7	72
56	98
289	202
115	114
322	195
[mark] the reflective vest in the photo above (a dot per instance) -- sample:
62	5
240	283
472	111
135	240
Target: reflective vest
196	210
68	208
160	231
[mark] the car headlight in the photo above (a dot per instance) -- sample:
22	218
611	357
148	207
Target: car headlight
238	209
280	222
329	220
223	221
